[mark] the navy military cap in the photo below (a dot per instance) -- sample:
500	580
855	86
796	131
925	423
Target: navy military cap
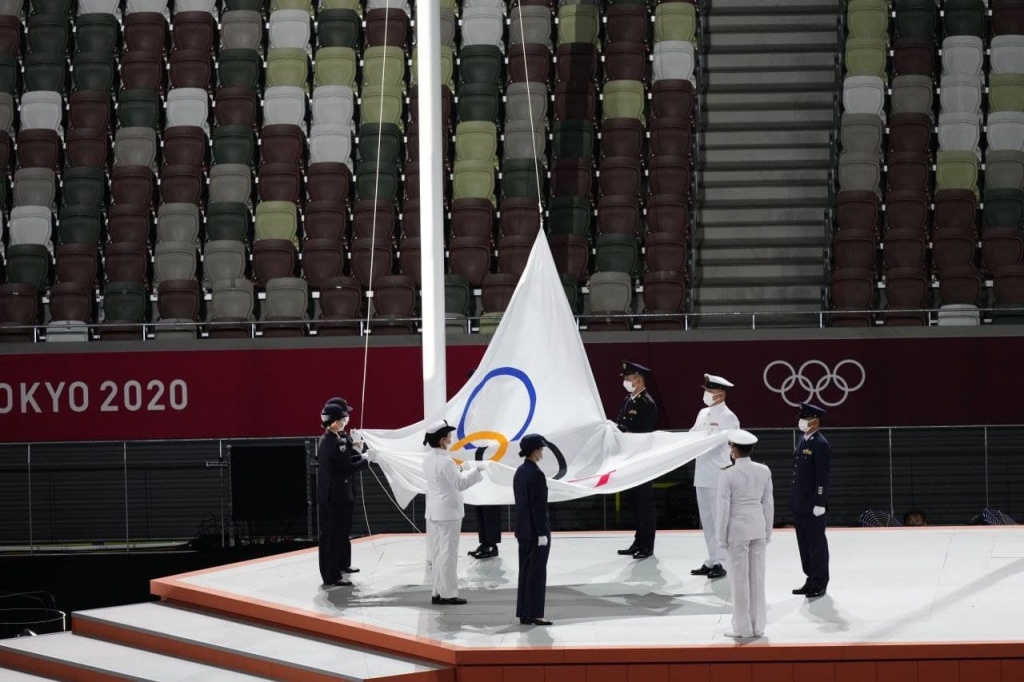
811	411
634	368
331	413
531	442
342	403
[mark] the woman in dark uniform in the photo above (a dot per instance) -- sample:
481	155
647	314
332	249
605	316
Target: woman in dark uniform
338	461
532	531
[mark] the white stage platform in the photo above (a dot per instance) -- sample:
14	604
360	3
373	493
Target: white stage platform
938	604
905	585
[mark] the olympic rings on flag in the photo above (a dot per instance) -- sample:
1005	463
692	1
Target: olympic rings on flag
466	440
490	435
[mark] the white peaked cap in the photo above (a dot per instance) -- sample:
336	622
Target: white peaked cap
714	379
741	437
438	426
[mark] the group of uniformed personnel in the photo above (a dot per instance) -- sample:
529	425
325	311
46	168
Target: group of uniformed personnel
734	497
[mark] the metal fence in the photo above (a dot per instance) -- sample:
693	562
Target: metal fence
130	495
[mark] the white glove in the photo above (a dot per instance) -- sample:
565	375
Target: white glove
818	511
542	541
371	456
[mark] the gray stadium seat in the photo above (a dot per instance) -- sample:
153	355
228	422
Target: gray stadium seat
178	222
135	146
231	182
223	259
174	260
241	29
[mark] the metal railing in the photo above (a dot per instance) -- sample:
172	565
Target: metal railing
149	332
963	468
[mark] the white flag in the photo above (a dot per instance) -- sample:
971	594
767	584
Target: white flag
535	378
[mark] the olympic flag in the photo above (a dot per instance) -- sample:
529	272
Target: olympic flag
535	378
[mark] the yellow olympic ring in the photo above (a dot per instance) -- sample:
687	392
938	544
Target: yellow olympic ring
490	435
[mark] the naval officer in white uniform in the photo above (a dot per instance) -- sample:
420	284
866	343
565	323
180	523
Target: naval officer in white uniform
715	417
444	511
744	513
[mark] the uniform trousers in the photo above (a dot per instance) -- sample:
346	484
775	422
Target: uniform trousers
746	582
533	578
335	548
445	552
644	514
810	538
431	540
488	523
706	507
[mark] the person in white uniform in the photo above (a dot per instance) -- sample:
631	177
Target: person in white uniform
715	417
745	512
444	512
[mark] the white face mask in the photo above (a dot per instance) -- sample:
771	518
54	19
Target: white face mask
628	385
803	425
709	398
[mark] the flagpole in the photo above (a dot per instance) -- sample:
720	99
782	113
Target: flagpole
428	45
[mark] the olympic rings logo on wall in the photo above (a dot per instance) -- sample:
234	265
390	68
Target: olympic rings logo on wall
812	381
467	441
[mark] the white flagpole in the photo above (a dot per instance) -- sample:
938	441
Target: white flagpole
428	44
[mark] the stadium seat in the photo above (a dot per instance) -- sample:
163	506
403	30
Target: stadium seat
231	182
526	102
325	220
77	263
272	258
904	248
231	309
322	260
1004	169
174	260
178	222
227	220
223	259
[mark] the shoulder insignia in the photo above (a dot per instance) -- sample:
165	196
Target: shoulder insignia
808	451
632	412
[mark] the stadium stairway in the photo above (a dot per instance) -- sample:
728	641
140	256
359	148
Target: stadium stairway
158	641
763	190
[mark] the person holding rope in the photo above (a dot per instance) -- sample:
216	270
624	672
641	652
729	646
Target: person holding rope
338	460
445	510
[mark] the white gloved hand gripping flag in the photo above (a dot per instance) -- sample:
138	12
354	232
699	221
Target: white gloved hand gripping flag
535	378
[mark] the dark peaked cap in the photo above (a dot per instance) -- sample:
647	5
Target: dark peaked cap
634	368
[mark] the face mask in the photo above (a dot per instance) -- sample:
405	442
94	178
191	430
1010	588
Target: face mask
709	398
628	385
802	425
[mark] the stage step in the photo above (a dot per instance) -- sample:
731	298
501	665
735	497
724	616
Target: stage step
8	675
247	647
66	656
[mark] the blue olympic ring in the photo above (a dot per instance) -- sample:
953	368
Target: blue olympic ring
501	371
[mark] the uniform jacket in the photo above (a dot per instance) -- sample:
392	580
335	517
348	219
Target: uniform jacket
445	483
811	461
337	461
709	465
744	508
638	414
531	490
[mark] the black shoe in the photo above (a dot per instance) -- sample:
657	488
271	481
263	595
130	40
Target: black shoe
449	601
476	552
703	570
534	621
349	569
716	572
340	582
629	551
435	599
488	552
815	592
642	554
802	590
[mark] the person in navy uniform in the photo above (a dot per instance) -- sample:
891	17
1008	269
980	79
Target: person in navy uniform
809	500
533	531
639	414
338	459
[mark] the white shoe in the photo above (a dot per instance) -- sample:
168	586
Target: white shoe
758	634
738	636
